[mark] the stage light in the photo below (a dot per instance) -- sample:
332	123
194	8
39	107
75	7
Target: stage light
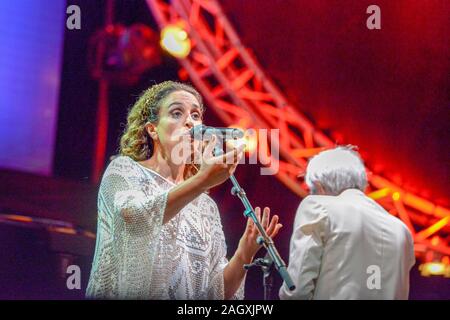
250	139
396	196
251	142
434	269
175	40
122	54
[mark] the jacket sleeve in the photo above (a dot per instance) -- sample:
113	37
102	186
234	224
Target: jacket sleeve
306	249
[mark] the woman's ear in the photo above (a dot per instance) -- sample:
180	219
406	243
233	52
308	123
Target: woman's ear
151	130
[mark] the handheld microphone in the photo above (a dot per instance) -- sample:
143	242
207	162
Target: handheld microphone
201	132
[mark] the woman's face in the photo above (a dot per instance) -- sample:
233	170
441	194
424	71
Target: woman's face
178	113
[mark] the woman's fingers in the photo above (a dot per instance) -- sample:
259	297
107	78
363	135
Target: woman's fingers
233	156
237	159
207	154
277	229
265	218
250	226
272	225
258	216
198	148
258	213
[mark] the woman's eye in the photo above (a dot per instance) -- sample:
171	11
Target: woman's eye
177	114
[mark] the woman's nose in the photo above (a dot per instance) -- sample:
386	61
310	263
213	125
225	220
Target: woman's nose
189	122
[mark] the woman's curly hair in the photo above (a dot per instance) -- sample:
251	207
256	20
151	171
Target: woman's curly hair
135	141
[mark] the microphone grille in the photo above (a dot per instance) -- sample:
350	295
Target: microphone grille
197	131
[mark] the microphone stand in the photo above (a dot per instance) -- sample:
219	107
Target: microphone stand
266	265
263	239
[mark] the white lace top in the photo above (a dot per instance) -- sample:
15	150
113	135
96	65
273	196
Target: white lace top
137	257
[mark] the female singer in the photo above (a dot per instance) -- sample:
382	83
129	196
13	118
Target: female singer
159	234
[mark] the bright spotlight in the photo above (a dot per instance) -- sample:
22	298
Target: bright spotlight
175	41
434	269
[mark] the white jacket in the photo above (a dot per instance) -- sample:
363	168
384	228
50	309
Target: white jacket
348	247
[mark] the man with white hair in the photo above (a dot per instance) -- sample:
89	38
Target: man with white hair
344	245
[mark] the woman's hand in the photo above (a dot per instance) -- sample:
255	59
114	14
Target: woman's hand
215	170
248	246
234	273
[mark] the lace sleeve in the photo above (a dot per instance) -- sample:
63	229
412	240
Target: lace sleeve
124	194
135	210
219	262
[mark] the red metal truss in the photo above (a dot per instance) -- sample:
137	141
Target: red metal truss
235	85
